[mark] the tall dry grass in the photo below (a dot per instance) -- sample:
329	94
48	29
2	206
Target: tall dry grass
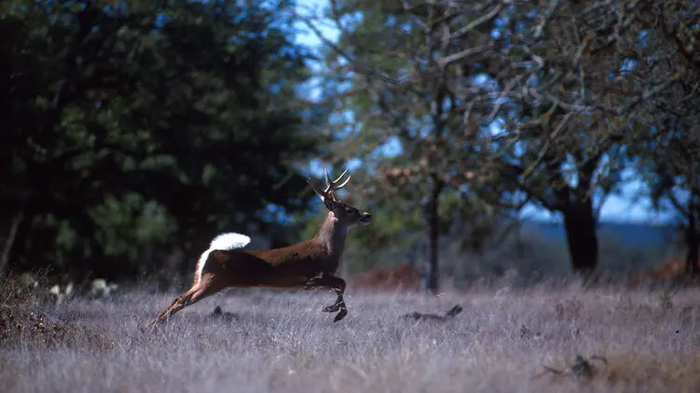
281	342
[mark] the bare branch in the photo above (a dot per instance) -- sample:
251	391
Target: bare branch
499	102
676	203
462	55
623	110
552	137
475	23
546	18
323	39
617	111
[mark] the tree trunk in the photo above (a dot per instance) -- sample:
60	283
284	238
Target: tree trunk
10	242
580	226
432	222
692	242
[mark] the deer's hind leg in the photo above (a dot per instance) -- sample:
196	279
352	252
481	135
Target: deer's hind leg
204	288
337	285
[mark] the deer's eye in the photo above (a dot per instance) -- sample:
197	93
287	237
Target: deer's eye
348	210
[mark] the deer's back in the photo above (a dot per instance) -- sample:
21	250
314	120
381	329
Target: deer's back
279	267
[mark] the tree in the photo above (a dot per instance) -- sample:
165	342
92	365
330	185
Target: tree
667	156
398	69
182	115
508	102
674	182
569	89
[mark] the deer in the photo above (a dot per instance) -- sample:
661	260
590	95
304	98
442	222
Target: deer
307	265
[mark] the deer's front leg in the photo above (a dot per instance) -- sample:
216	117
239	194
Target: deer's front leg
337	285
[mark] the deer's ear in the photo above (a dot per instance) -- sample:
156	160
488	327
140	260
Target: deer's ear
319	193
317	190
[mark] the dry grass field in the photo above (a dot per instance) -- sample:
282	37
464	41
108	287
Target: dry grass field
281	342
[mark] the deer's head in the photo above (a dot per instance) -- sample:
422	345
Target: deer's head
343	212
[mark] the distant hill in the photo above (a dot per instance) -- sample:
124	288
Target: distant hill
628	234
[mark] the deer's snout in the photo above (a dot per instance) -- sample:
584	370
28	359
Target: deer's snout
366	218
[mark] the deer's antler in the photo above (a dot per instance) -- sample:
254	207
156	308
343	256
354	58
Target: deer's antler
331	185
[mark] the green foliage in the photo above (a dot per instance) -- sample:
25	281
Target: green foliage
135	128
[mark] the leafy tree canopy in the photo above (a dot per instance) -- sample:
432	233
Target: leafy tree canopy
134	127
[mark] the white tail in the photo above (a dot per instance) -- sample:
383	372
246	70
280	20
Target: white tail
224	241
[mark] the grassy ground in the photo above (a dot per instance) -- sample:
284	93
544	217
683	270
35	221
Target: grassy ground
281	342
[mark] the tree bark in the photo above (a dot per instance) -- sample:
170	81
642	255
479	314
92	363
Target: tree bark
692	241
432	222
580	226
8	249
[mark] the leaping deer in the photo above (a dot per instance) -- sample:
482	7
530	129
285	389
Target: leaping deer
306	265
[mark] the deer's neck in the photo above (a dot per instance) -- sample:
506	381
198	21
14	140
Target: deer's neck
332	235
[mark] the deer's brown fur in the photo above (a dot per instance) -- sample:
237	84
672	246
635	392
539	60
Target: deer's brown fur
309	264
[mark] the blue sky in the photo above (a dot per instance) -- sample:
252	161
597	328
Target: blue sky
616	208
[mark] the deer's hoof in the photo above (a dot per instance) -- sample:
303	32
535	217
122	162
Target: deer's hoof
343	312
